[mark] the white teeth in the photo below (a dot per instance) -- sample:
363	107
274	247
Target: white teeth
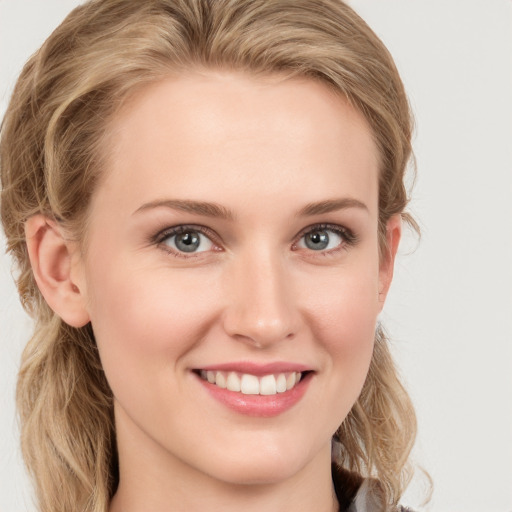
251	384
220	380
281	383
233	382
268	385
290	381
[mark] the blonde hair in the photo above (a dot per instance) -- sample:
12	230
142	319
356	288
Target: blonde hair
52	154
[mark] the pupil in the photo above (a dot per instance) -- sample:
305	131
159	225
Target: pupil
317	240
187	242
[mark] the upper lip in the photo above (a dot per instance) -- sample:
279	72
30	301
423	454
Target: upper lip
258	369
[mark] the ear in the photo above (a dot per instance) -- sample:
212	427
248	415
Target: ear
387	263
51	257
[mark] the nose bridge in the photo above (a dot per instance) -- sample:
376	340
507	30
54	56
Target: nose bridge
261	308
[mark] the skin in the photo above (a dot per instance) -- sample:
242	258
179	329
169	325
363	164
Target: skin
263	150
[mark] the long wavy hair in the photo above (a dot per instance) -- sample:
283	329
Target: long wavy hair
52	153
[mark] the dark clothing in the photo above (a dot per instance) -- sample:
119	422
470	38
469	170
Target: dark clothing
357	494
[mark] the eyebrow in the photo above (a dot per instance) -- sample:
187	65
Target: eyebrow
185	205
208	209
331	205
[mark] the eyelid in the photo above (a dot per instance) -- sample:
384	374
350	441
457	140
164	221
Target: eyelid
349	237
168	232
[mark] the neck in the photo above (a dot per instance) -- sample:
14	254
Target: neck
153	479
197	496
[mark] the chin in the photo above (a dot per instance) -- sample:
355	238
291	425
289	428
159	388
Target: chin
255	474
263	467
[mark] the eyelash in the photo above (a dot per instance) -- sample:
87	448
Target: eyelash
348	236
163	235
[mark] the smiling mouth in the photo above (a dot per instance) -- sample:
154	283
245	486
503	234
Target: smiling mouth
248	384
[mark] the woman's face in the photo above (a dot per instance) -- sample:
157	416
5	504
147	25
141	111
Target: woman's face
233	242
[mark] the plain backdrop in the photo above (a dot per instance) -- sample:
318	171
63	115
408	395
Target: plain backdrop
450	308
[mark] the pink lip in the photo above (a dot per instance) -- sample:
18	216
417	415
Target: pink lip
263	406
256	368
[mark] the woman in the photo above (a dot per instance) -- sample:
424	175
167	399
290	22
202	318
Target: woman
205	201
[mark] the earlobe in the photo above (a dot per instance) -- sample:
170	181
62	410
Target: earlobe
393	235
51	258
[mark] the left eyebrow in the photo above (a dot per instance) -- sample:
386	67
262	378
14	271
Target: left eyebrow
331	205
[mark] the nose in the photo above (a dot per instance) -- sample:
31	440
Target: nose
261	309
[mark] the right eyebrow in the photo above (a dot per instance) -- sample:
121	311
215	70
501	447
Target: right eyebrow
203	208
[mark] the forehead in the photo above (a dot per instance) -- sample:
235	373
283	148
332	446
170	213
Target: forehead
211	131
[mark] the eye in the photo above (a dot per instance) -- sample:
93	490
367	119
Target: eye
185	240
325	238
320	240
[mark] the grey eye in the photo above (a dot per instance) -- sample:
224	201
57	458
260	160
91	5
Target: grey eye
189	241
320	240
317	241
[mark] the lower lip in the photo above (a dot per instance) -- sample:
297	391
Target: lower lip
264	406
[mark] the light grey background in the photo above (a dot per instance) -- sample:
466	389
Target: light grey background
450	308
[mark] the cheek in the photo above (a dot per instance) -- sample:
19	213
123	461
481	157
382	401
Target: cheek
344	321
142	320
348	336
347	302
